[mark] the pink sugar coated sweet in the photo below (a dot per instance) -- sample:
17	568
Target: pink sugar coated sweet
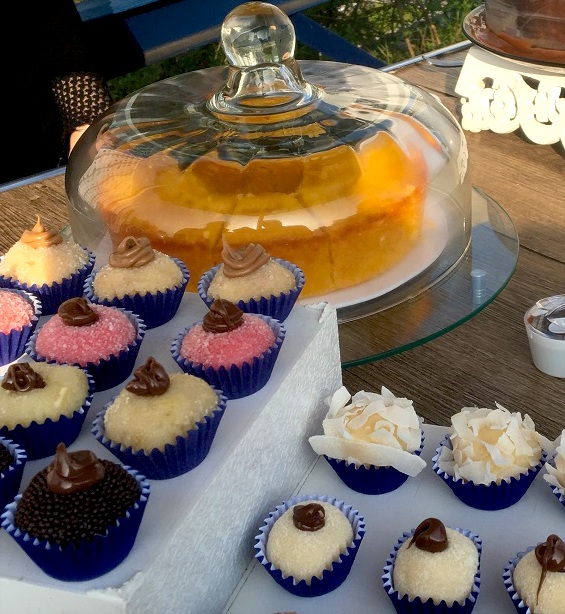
15	312
235	347
109	335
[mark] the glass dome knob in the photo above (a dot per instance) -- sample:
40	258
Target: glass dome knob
257	33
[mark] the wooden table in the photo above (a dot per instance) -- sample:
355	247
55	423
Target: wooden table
485	360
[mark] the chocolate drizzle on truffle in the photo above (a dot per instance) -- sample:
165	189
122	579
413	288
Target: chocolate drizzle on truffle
22	378
222	317
310	517
72	472
150	379
551	557
132	252
239	263
430	535
77	312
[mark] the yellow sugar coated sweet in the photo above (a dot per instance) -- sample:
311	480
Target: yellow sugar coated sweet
43	265
305	554
158	275
526	580
66	389
148	422
447	575
270	279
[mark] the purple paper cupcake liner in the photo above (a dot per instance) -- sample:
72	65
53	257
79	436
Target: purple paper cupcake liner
235	382
51	296
174	460
108	372
154	309
11	477
491	497
12	344
507	576
91	558
403	605
331	578
370	480
277	307
41	440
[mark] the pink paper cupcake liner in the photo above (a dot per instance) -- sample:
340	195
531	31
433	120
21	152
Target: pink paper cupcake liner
235	382
11	477
370	480
51	296
277	307
154	309
12	344
403	605
176	459
41	440
507	577
107	372
491	497
331	578
89	559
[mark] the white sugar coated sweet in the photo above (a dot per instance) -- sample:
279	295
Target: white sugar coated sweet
526	580
490	445
371	429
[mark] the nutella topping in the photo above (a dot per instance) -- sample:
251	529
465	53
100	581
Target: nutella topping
73	471
38	236
22	378
430	535
77	312
309	517
150	379
131	253
551	557
222	317
238	263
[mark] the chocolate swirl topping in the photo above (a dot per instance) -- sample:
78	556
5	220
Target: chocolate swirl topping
551	557
22	378
150	379
77	312
131	253
310	517
238	263
38	236
73	471
222	317
430	535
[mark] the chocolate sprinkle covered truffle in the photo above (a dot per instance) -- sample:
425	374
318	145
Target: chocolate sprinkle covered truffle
74	515
6	458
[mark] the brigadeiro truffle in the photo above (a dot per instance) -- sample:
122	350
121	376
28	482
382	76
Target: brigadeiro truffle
78	518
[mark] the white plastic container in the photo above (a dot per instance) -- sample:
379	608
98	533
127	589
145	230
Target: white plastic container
545	326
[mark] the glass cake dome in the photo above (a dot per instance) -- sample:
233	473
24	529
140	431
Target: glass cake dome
353	174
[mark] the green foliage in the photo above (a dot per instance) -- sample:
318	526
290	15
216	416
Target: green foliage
392	30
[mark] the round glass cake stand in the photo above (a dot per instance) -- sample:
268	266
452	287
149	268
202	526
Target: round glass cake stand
474	282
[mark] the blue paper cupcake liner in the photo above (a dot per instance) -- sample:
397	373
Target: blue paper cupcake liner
331	578
12	344
51	296
277	307
11	477
108	372
154	309
491	497
507	576
235	382
403	605
41	440
188	452
370	480
91	558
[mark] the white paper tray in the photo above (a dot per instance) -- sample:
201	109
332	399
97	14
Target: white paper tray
503	532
